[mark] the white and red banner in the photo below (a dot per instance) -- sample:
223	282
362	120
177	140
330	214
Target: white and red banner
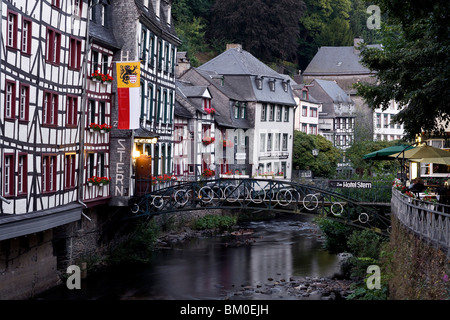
128	94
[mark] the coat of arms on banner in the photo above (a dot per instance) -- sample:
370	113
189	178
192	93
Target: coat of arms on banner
128	75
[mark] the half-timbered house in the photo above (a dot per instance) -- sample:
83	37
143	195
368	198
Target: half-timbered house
98	105
41	86
147	34
195	117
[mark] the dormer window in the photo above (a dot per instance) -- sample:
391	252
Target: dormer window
272	85
285	86
259	83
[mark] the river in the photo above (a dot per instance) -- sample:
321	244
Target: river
217	267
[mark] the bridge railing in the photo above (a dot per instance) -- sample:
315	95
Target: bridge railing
431	221
258	195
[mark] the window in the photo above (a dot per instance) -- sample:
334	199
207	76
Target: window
10	99
165	106
271	112
26	36
103	14
50	109
272	85
262	142
313	112
105	63
152	49
158	111
101	164
312	129
171	107
8	175
24	102
49	173
243	110
95	61
53	46
75	53
173	59
160	54
236	110
167	57
269	142
101	112
264	112
286	114
206	103
55	3
71	110
277	142
143	44
304	127
91	112
304	111
22	183
90	165
150	103
77	6
259	83
279	113
11	35
69	171
284	145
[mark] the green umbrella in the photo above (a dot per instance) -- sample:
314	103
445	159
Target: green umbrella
384	154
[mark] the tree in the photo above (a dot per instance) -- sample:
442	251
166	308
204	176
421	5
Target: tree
267	29
413	68
322	165
360	148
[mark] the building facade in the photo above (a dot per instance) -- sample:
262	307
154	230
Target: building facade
147	35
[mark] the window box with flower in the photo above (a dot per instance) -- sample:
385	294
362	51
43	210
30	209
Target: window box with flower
98	181
100	77
99	127
210	110
208	173
208	140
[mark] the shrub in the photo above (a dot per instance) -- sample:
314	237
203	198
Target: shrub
214	222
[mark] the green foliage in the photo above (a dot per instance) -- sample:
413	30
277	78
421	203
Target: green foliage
324	165
365	243
360	148
139	246
413	67
214	222
361	292
336	235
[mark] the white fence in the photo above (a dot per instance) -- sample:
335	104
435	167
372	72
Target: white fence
428	220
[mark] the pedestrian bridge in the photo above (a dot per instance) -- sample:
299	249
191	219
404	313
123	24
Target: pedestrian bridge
260	195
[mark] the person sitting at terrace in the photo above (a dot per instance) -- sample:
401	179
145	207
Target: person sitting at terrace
417	186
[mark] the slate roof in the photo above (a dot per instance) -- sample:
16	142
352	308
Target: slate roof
329	93
336	60
297	90
237	61
240	70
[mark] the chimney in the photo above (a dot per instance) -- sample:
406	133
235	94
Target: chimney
234	46
356	43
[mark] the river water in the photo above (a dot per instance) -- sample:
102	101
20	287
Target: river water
215	267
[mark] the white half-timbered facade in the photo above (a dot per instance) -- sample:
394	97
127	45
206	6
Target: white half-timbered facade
99	104
42	45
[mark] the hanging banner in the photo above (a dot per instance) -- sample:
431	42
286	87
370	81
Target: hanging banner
128	94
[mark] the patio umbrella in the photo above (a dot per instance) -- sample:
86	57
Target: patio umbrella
426	154
384	154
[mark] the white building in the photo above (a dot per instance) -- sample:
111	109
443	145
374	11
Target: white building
307	113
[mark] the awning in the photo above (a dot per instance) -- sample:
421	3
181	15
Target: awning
16	225
384	154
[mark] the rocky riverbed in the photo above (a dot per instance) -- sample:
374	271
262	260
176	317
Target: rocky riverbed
276	288
303	288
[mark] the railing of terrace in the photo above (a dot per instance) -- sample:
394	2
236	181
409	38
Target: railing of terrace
431	221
